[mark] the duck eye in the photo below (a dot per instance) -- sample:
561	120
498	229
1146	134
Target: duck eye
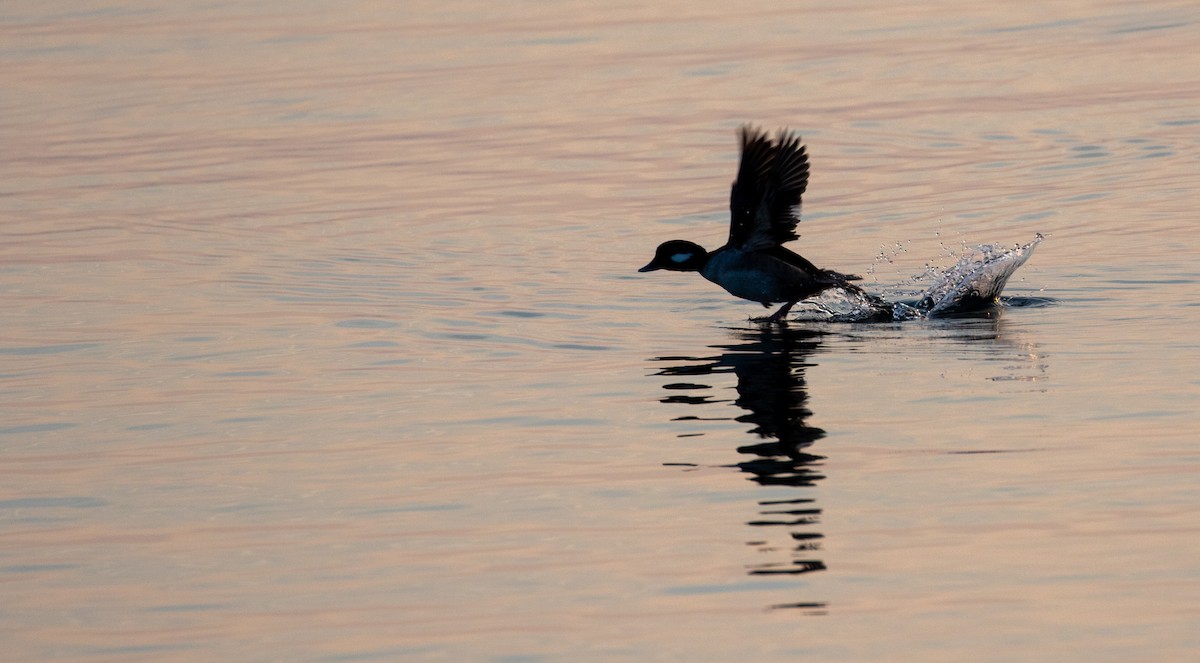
681	257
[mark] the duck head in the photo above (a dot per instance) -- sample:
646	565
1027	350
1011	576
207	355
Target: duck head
678	255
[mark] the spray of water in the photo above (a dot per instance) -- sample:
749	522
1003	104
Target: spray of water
974	282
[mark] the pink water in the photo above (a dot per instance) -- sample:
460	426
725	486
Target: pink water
323	340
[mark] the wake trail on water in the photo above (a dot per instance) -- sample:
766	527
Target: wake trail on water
973	283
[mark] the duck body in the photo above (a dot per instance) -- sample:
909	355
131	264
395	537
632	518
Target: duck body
764	206
769	277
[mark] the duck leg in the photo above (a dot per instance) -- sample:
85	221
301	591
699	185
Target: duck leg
778	315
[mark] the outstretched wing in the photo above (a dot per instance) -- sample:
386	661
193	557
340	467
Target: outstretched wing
764	204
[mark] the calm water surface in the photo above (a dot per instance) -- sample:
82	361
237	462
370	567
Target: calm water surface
322	338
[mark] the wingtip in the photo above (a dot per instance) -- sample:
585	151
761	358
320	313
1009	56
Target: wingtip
786	139
751	133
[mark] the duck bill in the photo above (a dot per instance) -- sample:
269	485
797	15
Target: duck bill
650	267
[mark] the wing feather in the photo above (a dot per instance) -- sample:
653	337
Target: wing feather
765	199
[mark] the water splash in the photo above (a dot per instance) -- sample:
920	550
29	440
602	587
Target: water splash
845	305
973	283
977	280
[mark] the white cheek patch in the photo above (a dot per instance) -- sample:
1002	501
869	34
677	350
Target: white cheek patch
681	257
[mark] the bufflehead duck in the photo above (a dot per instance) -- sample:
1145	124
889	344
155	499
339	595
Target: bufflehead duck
764	209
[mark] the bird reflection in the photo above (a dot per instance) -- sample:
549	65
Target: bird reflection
769	364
